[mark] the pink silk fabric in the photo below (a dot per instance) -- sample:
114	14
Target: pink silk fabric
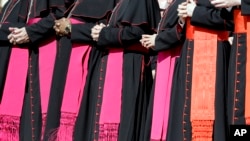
162	93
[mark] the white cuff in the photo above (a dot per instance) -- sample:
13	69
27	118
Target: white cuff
181	23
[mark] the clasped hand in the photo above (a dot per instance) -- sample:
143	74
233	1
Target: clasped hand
62	27
18	35
95	31
148	41
186	9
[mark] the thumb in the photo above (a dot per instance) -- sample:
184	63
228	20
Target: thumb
191	1
169	1
11	29
14	30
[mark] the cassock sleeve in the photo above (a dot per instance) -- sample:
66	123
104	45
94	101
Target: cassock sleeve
227	14
120	36
4	30
82	32
210	18
38	30
245	7
168	38
153	59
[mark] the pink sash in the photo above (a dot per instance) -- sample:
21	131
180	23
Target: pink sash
112	92
162	93
75	82
47	54
13	94
16	83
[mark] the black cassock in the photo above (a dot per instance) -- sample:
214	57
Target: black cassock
48	11
129	21
179	127
86	12
10	17
170	37
238	70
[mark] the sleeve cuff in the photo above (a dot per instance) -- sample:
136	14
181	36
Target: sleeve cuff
181	22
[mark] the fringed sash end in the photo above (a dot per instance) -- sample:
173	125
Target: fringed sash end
9	128
202	130
66	128
108	132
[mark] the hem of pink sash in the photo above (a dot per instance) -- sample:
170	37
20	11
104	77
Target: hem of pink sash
66	128
108	132
9	128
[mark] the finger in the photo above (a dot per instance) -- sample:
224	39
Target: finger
147	41
57	24
65	33
92	36
10	36
17	31
182	11
182	6
149	45
95	35
214	2
143	45
183	16
220	5
96	31
98	27
57	30
184	3
191	1
146	45
169	1
19	40
143	40
146	36
19	35
11	29
95	27
95	38
103	25
15	36
11	40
